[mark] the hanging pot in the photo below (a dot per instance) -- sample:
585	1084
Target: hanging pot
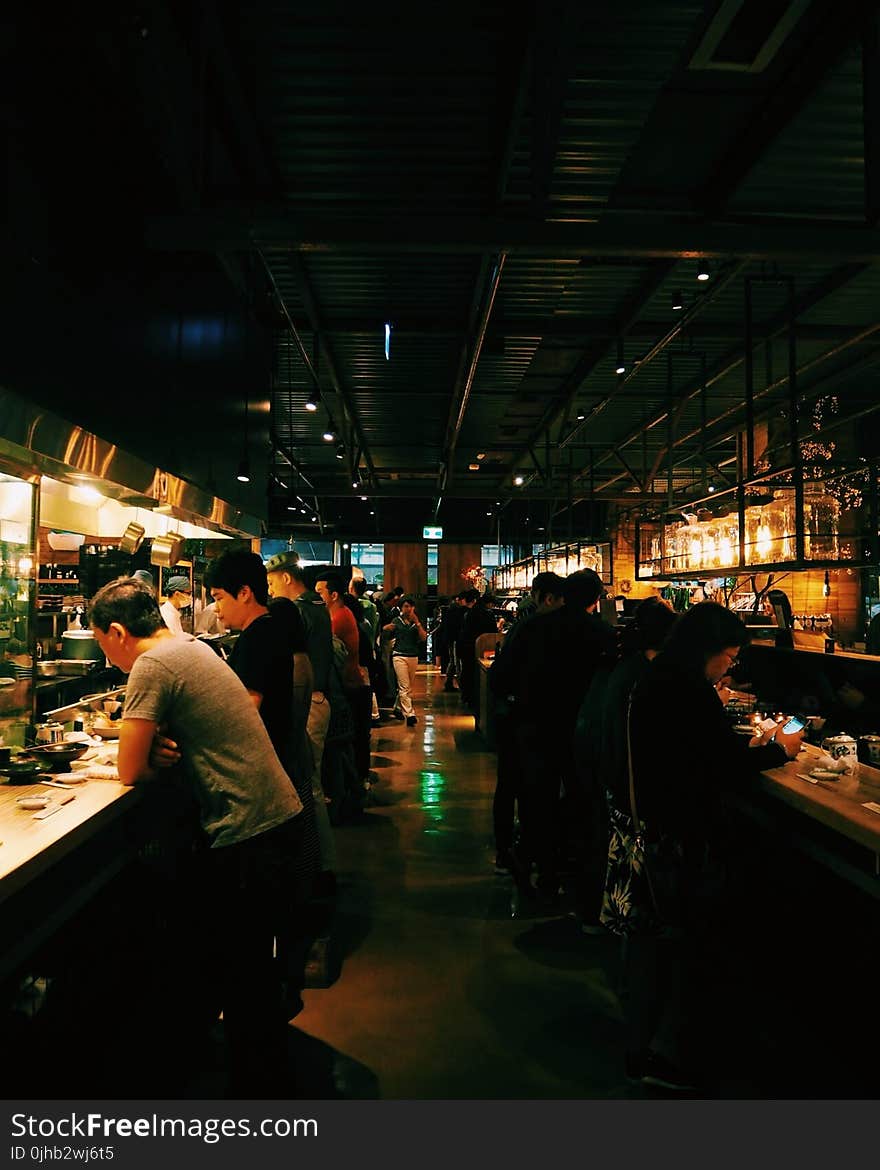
167	550
132	538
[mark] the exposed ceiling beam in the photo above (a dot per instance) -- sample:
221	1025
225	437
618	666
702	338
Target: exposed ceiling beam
832	28
641	237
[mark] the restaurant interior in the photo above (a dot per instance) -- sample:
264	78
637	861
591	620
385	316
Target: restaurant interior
581	287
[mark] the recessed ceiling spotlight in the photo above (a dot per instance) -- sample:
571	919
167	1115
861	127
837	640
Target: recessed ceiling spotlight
481	454
519	480
363	497
313	400
620	367
581	416
703	272
314	519
372	513
711	487
473	467
355	483
329	435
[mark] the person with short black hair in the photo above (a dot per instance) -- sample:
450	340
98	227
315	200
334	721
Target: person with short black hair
409	634
184	706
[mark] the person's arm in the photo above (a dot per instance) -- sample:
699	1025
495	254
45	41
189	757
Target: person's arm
135	745
420	629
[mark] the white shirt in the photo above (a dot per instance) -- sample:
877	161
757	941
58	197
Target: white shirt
171	618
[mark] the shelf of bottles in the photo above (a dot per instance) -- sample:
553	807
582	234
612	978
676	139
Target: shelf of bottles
753	527
563	559
17	603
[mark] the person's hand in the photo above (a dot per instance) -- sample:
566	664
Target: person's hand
724	690
164	752
791	741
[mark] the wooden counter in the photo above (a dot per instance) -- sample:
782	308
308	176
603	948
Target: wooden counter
828	820
49	869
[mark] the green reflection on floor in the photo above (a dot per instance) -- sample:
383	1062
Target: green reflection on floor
431	786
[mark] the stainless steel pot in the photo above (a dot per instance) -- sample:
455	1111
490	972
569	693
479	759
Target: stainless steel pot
50	732
132	538
79	644
167	550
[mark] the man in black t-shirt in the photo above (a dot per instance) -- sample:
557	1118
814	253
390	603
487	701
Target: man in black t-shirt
269	652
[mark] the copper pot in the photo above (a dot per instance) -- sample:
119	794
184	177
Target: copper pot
167	550
132	538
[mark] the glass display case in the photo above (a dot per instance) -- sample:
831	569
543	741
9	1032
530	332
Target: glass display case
562	559
18	556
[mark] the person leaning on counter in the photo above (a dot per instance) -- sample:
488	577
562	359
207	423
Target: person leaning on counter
183	704
684	754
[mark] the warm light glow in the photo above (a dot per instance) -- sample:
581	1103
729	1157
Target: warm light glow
765	542
518	480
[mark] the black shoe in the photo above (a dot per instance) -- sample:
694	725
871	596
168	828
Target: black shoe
503	861
397	714
411	720
660	1073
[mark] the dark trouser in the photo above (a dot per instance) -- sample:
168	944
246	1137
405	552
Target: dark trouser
245	901
360	701
546	763
507	782
588	829
467	678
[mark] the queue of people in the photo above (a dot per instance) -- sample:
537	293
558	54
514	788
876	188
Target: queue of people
269	745
614	752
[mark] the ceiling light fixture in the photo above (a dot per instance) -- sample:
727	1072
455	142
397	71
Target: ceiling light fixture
473	467
387	341
581	416
244	467
703	272
312	401
620	367
678	300
329	433
355	483
340	451
519	480
481	454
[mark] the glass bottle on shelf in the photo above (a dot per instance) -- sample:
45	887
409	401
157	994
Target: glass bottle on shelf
821	523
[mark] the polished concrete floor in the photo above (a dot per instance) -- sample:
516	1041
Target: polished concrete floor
441	992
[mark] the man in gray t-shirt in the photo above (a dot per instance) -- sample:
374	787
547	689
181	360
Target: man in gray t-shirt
185	705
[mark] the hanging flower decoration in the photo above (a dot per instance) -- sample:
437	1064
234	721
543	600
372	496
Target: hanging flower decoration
473	574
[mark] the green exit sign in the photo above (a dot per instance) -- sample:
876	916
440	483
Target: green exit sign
432	533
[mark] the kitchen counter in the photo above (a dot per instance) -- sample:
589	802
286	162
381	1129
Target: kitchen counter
51	868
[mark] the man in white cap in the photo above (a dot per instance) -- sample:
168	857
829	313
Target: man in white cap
178	593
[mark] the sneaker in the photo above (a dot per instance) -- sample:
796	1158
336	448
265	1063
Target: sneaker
410	720
661	1073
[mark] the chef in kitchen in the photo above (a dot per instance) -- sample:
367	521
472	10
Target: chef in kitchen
178	594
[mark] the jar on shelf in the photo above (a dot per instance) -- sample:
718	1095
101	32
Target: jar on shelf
821	523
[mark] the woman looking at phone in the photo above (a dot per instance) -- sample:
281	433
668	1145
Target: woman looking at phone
684	754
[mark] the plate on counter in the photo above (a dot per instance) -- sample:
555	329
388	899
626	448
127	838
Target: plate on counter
825	774
109	732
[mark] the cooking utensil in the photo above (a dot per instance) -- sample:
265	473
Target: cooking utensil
21	770
80	644
49	732
47	668
167	550
132	538
55	754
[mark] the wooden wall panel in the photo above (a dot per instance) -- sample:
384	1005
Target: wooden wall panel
407	565
805	591
452	559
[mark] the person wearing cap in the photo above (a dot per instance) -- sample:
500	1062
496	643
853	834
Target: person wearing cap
178	593
145	577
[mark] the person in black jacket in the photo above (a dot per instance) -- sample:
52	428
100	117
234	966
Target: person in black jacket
684	754
548	670
477	620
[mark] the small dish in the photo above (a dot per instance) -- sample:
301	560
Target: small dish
33	802
825	774
109	732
